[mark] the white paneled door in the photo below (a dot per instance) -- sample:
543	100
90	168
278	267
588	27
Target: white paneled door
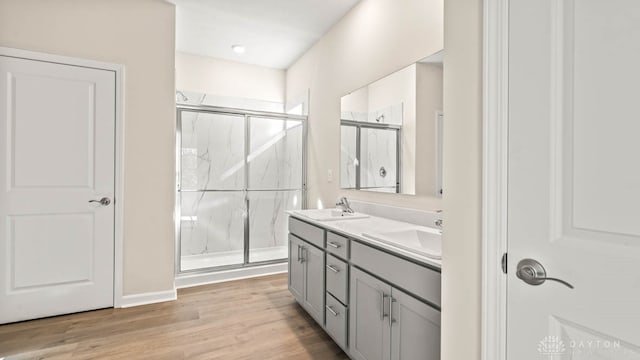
57	131
574	180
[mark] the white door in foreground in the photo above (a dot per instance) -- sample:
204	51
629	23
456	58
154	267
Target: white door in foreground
57	125
574	179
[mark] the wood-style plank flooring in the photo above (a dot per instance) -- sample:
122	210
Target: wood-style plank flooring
247	319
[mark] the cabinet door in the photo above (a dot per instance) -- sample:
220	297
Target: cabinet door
369	330
314	281
296	268
415	329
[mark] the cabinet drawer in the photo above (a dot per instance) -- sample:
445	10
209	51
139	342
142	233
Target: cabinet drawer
338	245
337	277
412	277
336	315
307	232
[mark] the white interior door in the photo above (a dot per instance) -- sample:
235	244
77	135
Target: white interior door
57	131
574	179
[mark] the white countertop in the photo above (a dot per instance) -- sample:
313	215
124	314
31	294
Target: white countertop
354	228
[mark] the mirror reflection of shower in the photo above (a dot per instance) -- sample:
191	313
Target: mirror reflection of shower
370	149
404	103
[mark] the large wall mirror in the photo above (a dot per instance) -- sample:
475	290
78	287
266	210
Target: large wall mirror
391	132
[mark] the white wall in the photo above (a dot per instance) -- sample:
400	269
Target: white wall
400	88
376	38
428	102
356	101
211	76
461	243
140	35
357	51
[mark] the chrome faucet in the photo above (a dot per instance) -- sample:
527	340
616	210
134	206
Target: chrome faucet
344	204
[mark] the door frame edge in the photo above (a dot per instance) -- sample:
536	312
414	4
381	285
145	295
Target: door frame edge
118	69
494	178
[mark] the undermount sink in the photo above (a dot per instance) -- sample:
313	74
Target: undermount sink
425	243
330	214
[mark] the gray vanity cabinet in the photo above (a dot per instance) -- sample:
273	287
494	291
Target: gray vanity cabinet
313	259
306	276
369	330
415	329
387	323
296	268
354	291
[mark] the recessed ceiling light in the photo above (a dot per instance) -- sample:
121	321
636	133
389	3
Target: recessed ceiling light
238	49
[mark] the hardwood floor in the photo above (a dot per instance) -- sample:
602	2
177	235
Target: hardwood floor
246	319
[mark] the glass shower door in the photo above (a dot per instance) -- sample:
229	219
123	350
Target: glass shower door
274	184
212	197
239	174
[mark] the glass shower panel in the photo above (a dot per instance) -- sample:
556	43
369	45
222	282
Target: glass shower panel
239	174
275	184
268	223
379	158
211	229
348	160
275	154
212	151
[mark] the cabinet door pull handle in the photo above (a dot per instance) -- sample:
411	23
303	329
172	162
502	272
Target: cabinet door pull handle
383	301
333	245
333	312
333	268
298	253
391	319
302	249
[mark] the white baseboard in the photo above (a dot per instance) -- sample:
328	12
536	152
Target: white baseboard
189	280
148	298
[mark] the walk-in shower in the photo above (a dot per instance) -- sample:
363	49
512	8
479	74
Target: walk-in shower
238	172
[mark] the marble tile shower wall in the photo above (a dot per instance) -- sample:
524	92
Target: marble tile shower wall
212	151
379	162
348	157
275	158
213	158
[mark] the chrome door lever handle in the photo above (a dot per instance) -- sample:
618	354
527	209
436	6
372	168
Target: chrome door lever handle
105	201
533	273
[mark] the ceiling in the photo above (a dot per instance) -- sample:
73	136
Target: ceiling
274	32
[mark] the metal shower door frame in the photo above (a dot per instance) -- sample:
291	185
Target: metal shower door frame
246	114
359	125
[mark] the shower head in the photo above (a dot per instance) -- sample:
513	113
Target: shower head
182	96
